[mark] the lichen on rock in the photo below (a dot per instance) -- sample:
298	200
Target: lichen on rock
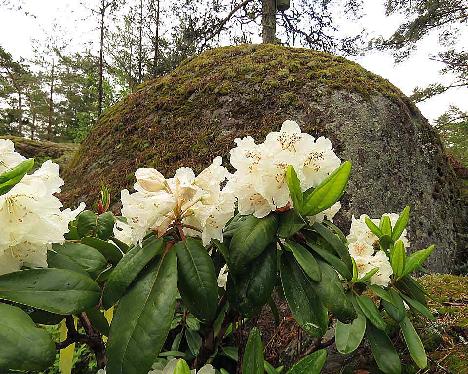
194	113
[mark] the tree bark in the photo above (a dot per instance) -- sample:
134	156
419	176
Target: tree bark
51	102
156	41
102	11
269	21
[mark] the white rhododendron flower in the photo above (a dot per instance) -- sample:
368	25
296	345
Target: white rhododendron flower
197	202
31	217
223	276
259	182
362	243
8	157
170	368
123	232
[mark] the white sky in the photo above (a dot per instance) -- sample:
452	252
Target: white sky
78	25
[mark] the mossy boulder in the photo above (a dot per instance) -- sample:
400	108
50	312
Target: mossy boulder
42	150
194	113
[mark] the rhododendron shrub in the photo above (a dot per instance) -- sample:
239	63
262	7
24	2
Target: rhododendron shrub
164	287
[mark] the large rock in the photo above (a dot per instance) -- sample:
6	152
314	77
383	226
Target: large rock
194	113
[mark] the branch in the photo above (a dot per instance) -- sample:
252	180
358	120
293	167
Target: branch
224	21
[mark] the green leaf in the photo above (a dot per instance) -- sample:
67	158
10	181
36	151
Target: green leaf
231	352
269	368
383	351
143	318
414	261
379	291
331	259
367	276
194	341
19	170
197	279
401	223
250	239
250	291
304	303
409	286
54	290
128	269
252	362
348	337
369	309
386	226
395	308
89	223
335	242
88	258
294	185
45	318
305	259
332	295
58	261
398	258
311	364
290	223
108	250
181	367
420	308
414	344
328	192
373	227
23	345
98	320
222	248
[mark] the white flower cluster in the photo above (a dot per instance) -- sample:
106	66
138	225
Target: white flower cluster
362	245
169	368
31	218
197	202
259	182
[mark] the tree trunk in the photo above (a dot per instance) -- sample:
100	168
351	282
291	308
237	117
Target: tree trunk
140	45
20	113
156	41
101	59
51	102
33	125
269	21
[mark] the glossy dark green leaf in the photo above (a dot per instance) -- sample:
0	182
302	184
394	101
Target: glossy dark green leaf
294	186
410	287
417	306
250	291
23	345
311	364
335	242
252	362
45	318
304	303
369	309
395	308
331	259
197	279
108	250
58	261
383	351
231	352
379	291
98	320
143	318
415	260
348	336
331	293
398	258
373	227
9	184
101	226
290	223
222	248
401	223
194	341
54	290
414	344
305	259
328	192
88	258
250	239
128	269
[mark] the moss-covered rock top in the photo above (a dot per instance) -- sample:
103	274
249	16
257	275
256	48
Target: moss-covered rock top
193	114
41	150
